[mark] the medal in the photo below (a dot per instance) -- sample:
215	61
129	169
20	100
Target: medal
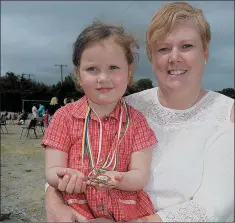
97	174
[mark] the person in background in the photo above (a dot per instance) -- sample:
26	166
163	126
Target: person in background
35	111
46	119
53	107
192	173
41	110
65	101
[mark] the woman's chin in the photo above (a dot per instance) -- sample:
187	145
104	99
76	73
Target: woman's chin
176	84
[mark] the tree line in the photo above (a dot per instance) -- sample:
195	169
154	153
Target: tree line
14	88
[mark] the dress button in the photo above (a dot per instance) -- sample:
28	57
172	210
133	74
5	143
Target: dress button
101	207
106	119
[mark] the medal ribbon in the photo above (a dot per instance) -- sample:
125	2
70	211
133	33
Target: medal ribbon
86	145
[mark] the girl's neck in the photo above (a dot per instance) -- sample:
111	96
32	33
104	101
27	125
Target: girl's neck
180	100
102	110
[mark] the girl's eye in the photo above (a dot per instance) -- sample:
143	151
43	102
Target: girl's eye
113	67
163	49
91	69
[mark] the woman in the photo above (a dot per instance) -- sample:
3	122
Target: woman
53	107
192	174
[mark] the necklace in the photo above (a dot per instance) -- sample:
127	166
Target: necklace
112	158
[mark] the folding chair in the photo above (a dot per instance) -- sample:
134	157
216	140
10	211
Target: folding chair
31	126
3	122
40	124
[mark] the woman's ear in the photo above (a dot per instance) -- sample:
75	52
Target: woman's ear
130	75
130	71
206	53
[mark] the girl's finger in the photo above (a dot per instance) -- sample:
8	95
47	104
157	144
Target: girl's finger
83	188
61	172
94	184
119	177
63	182
71	184
78	185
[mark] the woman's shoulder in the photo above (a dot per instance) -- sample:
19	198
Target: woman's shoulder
222	105
142	99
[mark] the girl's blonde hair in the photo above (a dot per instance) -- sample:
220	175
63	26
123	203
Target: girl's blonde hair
171	14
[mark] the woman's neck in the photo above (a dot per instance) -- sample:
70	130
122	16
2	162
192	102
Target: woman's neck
180	100
102	110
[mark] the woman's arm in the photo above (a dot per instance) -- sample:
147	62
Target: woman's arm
57	210
150	218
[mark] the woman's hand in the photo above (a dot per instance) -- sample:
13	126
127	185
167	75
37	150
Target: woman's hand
150	218
100	220
63	213
57	210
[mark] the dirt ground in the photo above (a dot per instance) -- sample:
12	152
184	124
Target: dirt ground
22	176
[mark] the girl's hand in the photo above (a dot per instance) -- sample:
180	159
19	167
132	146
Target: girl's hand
71	181
115	178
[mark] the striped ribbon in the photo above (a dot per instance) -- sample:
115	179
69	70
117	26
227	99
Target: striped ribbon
86	145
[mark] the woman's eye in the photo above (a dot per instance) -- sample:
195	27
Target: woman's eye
185	46
113	67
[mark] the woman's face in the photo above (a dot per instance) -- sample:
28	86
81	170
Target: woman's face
178	60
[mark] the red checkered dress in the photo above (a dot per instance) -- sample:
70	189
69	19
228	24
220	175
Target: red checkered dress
65	133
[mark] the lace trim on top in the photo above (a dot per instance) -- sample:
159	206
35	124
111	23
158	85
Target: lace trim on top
187	212
165	116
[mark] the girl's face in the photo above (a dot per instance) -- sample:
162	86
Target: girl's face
104	72
178	60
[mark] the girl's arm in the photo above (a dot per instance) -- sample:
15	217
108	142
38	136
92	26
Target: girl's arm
137	176
55	162
58	176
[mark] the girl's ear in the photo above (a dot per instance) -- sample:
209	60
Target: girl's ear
77	76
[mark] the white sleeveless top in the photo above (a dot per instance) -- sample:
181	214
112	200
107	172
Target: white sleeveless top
192	173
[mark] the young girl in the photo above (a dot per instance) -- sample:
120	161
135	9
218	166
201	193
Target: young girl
100	138
46	119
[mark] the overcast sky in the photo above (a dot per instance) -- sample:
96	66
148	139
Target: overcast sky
37	35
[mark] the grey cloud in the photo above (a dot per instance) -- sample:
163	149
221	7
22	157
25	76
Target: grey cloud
37	35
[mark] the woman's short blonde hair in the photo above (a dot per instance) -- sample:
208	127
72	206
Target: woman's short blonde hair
171	14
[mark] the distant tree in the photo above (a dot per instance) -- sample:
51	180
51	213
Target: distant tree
143	84
14	88
230	92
